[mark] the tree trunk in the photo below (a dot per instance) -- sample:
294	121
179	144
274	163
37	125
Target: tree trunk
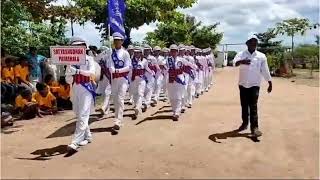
72	32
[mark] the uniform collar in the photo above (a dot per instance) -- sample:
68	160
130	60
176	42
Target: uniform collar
254	53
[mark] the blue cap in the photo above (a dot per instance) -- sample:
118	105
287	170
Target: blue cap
117	35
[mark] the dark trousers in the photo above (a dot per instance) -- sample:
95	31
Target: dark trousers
66	104
249	104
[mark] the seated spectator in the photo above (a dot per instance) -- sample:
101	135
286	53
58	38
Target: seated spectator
21	72
8	71
8	88
45	99
63	98
27	106
52	84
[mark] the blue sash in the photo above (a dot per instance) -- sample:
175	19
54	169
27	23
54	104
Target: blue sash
135	65
89	87
172	66
118	64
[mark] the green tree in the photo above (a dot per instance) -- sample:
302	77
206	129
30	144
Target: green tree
291	27
266	44
19	29
137	13
184	29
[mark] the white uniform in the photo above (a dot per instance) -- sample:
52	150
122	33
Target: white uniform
186	79
120	67
159	77
200	74
191	83
206	72
104	85
153	65
139	81
176	84
82	101
211	69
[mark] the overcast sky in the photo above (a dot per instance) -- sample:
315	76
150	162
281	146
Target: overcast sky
238	19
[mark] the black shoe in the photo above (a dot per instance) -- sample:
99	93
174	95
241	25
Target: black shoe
243	127
190	106
175	118
116	127
183	110
256	132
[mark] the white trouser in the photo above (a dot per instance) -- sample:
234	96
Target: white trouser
149	90
158	86
210	76
104	87
190	91
175	91
164	85
138	86
83	104
199	82
184	94
119	88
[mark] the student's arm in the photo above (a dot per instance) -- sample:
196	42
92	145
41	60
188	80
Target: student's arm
147	68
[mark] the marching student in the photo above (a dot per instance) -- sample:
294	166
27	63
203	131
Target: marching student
104	85
83	96
191	83
176	83
199	79
164	69
160	74
153	65
139	79
120	68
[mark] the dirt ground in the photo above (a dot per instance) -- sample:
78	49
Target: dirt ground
200	145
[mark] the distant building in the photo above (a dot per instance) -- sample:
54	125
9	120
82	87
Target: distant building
222	59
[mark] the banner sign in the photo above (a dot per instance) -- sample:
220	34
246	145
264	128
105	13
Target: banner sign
68	55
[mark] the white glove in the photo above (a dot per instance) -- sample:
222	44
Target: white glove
71	71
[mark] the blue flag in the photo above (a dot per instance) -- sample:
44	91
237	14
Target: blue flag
116	10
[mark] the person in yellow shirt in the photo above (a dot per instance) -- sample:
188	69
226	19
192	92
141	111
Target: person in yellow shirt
21	72
27	106
52	84
45	99
63	99
8	71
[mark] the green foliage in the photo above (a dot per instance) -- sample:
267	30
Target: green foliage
184	29
231	55
306	50
292	26
266	44
138	12
19	29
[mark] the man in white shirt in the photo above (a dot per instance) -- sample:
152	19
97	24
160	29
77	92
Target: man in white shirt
252	64
119	68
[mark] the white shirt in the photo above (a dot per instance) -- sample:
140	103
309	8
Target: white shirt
152	61
250	75
124	56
